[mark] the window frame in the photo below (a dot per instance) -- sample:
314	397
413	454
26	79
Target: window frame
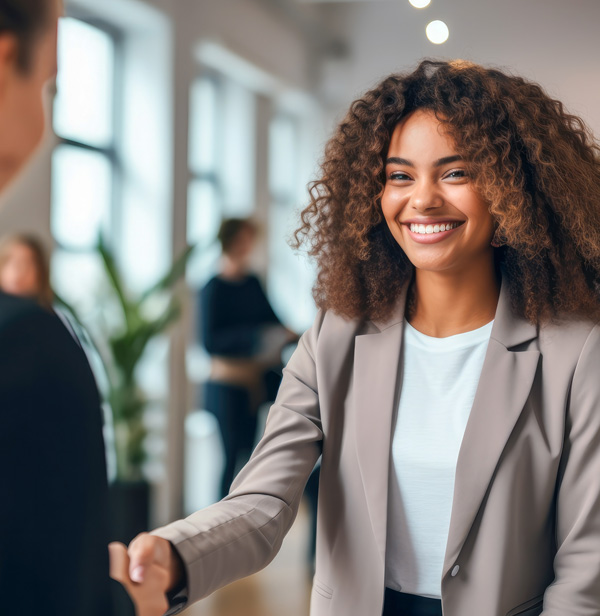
111	152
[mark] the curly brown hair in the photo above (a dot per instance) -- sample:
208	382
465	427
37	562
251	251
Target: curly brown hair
536	166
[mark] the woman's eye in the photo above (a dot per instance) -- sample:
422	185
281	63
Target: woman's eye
398	175
456	174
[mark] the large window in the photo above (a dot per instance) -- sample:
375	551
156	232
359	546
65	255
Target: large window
290	275
284	138
222	164
84	163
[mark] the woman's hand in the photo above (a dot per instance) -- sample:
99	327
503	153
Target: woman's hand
148	570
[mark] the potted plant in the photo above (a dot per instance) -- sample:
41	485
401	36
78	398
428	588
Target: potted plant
143	318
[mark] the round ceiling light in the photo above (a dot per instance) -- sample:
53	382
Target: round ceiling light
420	4
437	32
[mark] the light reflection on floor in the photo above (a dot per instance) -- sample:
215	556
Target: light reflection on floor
283	588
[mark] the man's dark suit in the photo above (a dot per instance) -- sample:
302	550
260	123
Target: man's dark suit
53	487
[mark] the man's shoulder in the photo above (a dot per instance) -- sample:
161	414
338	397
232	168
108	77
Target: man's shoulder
33	334
13	309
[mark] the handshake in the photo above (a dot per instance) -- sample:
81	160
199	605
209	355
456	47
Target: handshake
148	569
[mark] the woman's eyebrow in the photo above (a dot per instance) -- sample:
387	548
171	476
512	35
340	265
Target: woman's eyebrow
395	160
447	160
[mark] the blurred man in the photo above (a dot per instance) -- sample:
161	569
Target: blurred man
53	521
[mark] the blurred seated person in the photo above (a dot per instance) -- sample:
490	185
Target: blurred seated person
245	338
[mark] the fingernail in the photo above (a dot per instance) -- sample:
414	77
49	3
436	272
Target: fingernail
137	575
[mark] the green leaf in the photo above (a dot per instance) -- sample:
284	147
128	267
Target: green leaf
115	279
127	348
173	275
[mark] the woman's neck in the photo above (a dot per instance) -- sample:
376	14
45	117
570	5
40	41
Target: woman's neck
444	304
232	269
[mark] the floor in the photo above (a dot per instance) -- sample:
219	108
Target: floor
283	588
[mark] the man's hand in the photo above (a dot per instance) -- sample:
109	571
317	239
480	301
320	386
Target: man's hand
148	570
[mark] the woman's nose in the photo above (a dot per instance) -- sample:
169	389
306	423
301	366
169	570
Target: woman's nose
425	197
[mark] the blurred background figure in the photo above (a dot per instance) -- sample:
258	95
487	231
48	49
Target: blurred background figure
25	269
245	340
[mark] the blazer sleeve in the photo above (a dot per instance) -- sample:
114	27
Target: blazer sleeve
242	533
53	518
576	588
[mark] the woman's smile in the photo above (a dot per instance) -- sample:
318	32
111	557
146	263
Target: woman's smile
432	231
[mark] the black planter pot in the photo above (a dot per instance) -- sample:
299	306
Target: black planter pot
129	506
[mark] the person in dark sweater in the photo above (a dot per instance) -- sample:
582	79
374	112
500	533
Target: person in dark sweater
245	338
53	518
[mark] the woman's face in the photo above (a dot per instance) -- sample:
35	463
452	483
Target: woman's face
429	203
22	98
20	275
242	246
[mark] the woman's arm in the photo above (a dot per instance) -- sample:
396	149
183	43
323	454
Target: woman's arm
242	534
576	587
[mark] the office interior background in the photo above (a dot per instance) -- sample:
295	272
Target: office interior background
173	114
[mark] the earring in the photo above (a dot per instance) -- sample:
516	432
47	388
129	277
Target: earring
496	243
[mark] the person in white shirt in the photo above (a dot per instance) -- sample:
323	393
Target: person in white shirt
449	380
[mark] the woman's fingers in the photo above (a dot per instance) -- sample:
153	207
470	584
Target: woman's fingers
149	596
146	550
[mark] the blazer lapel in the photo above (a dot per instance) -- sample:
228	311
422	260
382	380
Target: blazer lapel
375	394
506	380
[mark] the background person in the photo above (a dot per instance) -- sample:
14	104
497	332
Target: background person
450	378
53	518
25	269
245	339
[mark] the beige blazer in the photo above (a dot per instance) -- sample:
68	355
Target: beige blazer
525	528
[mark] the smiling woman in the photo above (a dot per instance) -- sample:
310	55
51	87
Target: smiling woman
435	215
427	186
449	381
518	147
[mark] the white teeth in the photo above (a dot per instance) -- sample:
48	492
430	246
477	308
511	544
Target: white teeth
428	229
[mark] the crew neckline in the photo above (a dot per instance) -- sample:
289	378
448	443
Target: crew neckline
456	341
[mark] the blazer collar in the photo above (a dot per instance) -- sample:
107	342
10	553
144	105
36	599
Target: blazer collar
509	329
